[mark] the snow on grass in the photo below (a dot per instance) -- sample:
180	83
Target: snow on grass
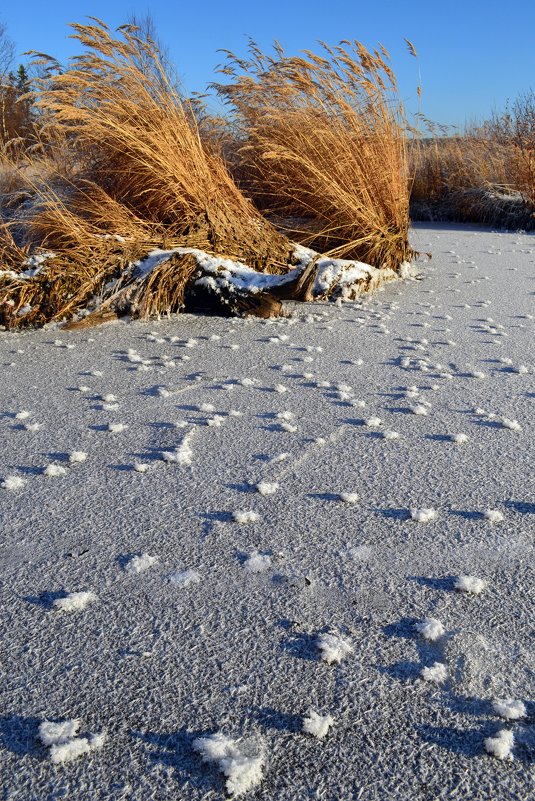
511	424
373	422
333	647
245	517
140	563
77	456
509	708
317	725
184	578
349	497
116	428
74	601
242	763
54	470
459	439
13	483
501	745
430	628
267	487
257	562
424	515
437	673
470	584
493	515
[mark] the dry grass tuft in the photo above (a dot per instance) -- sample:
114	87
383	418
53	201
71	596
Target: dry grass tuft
126	171
325	143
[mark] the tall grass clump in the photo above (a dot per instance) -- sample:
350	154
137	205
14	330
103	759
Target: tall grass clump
324	145
130	172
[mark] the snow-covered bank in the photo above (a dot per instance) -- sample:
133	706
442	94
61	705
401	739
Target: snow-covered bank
166	600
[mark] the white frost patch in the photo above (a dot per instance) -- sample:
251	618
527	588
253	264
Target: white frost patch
116	428
509	708
430	628
501	745
52	733
493	515
349	497
257	563
459	439
470	584
13	483
317	725
77	456
245	517
437	673
373	422
54	470
512	425
74	601
333	647
138	564
267	487
184	578
425	515
241	763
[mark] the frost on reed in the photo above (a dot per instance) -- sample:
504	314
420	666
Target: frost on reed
125	170
325	145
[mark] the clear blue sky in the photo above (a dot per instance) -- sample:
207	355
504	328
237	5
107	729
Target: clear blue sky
473	55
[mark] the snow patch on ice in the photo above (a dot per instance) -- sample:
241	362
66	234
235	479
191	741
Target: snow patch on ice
333	647
242	763
430	628
501	745
317	725
74	601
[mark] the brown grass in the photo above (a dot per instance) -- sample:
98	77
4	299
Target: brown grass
326	143
124	157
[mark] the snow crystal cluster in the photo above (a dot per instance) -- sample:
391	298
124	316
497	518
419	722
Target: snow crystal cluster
74	601
426	515
430	628
317	725
437	673
65	744
333	647
139	563
245	517
470	584
509	708
501	745
242	763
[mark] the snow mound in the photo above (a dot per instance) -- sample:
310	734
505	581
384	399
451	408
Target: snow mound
54	470
51	733
430	628
77	456
242	763
512	425
374	422
459	439
509	708
317	725
116	428
470	584
267	488
501	745
65	745
333	647
349	497
493	516
74	601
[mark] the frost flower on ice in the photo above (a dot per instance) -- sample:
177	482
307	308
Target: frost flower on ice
65	745
423	515
317	725
54	470
116	428
267	487
242	763
501	745
74	601
349	497
437	673
333	647
493	516
138	564
509	708
430	628
245	517
374	422
77	456
257	563
470	584
13	483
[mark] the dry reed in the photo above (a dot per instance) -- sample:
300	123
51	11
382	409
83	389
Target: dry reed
325	144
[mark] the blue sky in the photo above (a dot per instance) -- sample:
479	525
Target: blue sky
473	55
